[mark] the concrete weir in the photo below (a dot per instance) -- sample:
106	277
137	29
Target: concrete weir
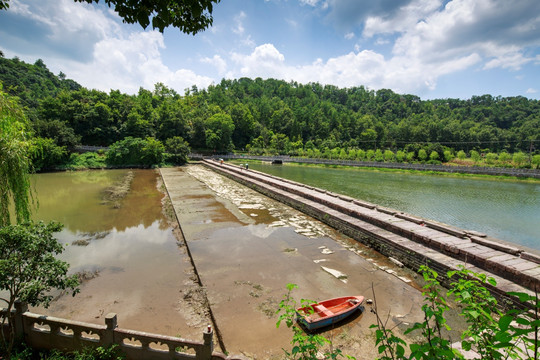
411	240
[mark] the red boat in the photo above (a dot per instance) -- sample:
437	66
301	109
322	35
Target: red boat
328	312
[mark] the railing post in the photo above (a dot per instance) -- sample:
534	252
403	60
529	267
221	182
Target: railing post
208	348
111	321
20	309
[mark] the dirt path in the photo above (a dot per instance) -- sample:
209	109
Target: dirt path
247	247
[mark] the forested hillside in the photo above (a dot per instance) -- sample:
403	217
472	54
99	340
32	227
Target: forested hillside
271	115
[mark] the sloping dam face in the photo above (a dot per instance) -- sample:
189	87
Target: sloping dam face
411	240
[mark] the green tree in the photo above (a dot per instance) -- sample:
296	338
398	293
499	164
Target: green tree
46	154
519	159
244	125
400	155
461	155
475	156
178	150
491	158
219	130
388	155
536	161
434	156
135	151
30	269
448	155
504	157
14	161
422	155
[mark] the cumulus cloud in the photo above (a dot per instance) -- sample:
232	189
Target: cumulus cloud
463	33
217	62
353	69
413	43
131	62
265	60
347	13
90	46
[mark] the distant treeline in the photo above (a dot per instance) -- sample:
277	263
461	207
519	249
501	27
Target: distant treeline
271	116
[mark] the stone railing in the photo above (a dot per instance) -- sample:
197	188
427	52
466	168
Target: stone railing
46	332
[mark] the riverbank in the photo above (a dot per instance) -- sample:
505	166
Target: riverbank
475	170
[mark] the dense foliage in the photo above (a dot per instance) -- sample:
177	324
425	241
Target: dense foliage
279	117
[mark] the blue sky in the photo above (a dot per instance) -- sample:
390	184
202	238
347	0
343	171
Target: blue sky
430	48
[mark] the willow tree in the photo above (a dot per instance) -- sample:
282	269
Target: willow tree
14	161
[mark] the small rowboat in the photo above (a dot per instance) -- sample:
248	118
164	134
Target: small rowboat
328	312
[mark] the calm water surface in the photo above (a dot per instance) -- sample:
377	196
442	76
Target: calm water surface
507	210
112	237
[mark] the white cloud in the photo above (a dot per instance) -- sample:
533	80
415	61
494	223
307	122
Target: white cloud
349	35
239	26
367	68
406	17
217	62
264	61
114	58
508	60
309	2
531	91
132	62
249	42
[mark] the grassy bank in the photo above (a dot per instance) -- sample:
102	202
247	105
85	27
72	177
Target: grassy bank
399	171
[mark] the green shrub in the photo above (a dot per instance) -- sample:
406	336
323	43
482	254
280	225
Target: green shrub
135	152
88	160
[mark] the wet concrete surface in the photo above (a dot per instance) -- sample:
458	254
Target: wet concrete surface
247	248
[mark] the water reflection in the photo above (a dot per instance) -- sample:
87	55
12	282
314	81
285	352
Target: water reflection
76	200
114	250
99	236
508	210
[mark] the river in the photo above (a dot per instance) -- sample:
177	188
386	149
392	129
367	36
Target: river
504	209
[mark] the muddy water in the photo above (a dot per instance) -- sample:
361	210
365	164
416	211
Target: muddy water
247	248
128	255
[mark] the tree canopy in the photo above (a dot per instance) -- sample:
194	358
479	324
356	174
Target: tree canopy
189	16
279	117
